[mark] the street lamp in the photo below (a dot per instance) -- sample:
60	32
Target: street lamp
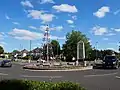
96	50
30	51
57	47
119	49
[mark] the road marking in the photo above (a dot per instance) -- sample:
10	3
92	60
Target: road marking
117	77
42	76
100	75
2	74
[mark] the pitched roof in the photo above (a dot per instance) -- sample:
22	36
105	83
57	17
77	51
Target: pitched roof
37	50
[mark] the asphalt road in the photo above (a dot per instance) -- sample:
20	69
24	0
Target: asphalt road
91	79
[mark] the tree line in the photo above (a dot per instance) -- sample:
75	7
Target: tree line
69	48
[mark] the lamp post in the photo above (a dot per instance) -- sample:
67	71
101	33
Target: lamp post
96	50
119	49
57	47
30	51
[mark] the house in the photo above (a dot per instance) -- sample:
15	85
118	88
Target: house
24	53
36	52
15	53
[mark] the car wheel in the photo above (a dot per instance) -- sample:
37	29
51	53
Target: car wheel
94	67
116	67
2	65
11	65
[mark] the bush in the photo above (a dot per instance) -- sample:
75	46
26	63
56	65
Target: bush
35	85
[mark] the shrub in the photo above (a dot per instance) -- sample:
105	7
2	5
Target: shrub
35	85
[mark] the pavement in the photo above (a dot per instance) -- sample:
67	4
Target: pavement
94	79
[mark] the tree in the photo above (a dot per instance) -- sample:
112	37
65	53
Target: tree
70	46
1	50
56	47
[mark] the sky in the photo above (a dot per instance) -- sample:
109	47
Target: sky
25	20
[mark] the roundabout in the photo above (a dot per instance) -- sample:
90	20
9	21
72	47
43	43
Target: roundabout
92	79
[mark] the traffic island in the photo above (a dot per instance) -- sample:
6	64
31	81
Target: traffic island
56	68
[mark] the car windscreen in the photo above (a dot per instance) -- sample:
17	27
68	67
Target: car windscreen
110	58
6	61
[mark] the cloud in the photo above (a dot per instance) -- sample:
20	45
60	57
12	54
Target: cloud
3	44
57	28
74	17
102	12
70	21
32	27
117	30
111	49
43	28
46	1
2	35
116	12
47	17
65	8
110	34
35	14
90	41
105	38
16	23
72	26
59	38
22	34
27	3
97	30
7	17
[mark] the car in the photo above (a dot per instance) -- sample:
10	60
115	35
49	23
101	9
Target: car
6	63
98	64
111	61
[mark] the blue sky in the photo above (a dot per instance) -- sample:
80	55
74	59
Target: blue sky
25	20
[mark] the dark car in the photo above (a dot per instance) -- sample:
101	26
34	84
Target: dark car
111	61
6	63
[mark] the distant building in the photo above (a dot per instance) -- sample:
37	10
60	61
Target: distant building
15	53
36	52
24	53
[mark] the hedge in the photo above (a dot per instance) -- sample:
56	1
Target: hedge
36	85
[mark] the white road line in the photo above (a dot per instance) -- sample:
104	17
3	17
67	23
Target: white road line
42	76
100	75
2	74
117	77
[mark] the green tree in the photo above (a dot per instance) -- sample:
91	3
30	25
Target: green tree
56	47
1	50
70	46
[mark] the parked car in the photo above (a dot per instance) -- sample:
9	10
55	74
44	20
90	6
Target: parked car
111	61
6	63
